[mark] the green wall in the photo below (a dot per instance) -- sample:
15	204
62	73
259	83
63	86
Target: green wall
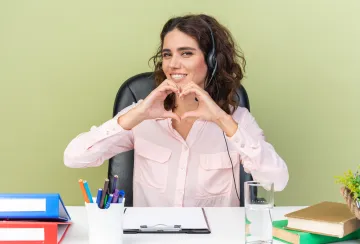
61	63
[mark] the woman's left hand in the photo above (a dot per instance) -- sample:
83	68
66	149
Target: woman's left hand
207	109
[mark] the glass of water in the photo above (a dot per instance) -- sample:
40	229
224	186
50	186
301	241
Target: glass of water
259	201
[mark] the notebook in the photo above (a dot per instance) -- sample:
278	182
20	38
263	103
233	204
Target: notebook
166	220
325	218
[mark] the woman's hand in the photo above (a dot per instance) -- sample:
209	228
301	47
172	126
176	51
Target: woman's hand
153	105
208	109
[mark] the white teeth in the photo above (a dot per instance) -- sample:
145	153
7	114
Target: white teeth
177	77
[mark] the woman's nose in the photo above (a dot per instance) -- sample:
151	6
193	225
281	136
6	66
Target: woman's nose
174	62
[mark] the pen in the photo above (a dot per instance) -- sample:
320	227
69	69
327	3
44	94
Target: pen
109	201
87	189
106	186
114	183
98	197
83	191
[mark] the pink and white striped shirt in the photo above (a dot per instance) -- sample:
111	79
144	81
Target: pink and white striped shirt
172	172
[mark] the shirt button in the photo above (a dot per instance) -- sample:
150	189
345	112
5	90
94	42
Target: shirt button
107	132
242	145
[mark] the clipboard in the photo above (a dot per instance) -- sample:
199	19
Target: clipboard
165	221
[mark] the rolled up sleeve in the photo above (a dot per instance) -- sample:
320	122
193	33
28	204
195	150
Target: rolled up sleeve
259	157
92	148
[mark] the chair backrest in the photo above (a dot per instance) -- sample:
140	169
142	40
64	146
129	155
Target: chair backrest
132	90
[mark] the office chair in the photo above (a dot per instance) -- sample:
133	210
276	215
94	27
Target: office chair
132	90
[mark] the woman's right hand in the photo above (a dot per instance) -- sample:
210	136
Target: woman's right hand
151	107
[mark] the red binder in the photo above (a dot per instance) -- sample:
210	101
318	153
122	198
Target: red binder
32	232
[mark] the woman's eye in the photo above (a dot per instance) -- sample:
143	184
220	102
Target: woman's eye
166	55
187	54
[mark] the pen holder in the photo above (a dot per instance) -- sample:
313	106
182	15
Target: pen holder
105	225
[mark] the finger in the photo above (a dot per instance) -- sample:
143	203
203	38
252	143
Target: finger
171	83
166	88
168	92
190	90
190	114
187	85
172	115
192	85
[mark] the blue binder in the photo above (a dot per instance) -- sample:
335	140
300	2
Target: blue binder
39	206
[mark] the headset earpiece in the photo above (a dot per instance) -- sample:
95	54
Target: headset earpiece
211	57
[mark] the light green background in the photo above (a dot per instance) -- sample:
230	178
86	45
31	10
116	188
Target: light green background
62	62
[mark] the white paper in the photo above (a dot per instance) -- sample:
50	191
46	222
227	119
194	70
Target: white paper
61	231
188	218
22	234
62	212
22	205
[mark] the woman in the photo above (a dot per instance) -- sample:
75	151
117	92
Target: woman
189	135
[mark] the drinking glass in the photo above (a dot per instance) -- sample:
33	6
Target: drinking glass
259	202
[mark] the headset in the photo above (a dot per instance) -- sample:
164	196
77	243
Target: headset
211	56
212	66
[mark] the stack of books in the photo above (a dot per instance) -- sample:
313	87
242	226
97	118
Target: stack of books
33	218
325	222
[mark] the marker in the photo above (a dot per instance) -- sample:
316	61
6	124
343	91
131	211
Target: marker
98	197
121	196
116	196
109	201
87	189
81	183
106	186
114	183
105	200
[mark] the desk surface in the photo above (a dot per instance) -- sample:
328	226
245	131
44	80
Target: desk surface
227	226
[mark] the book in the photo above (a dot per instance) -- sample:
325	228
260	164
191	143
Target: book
325	218
33	206
280	232
34	232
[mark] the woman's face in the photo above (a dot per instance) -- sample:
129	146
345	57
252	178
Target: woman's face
183	61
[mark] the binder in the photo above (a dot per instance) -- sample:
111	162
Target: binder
32	232
165	220
45	206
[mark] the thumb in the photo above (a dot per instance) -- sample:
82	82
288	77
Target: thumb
172	115
190	114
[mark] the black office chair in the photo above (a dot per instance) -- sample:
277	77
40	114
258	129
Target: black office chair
132	90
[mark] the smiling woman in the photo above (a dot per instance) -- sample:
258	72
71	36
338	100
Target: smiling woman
177	131
186	46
